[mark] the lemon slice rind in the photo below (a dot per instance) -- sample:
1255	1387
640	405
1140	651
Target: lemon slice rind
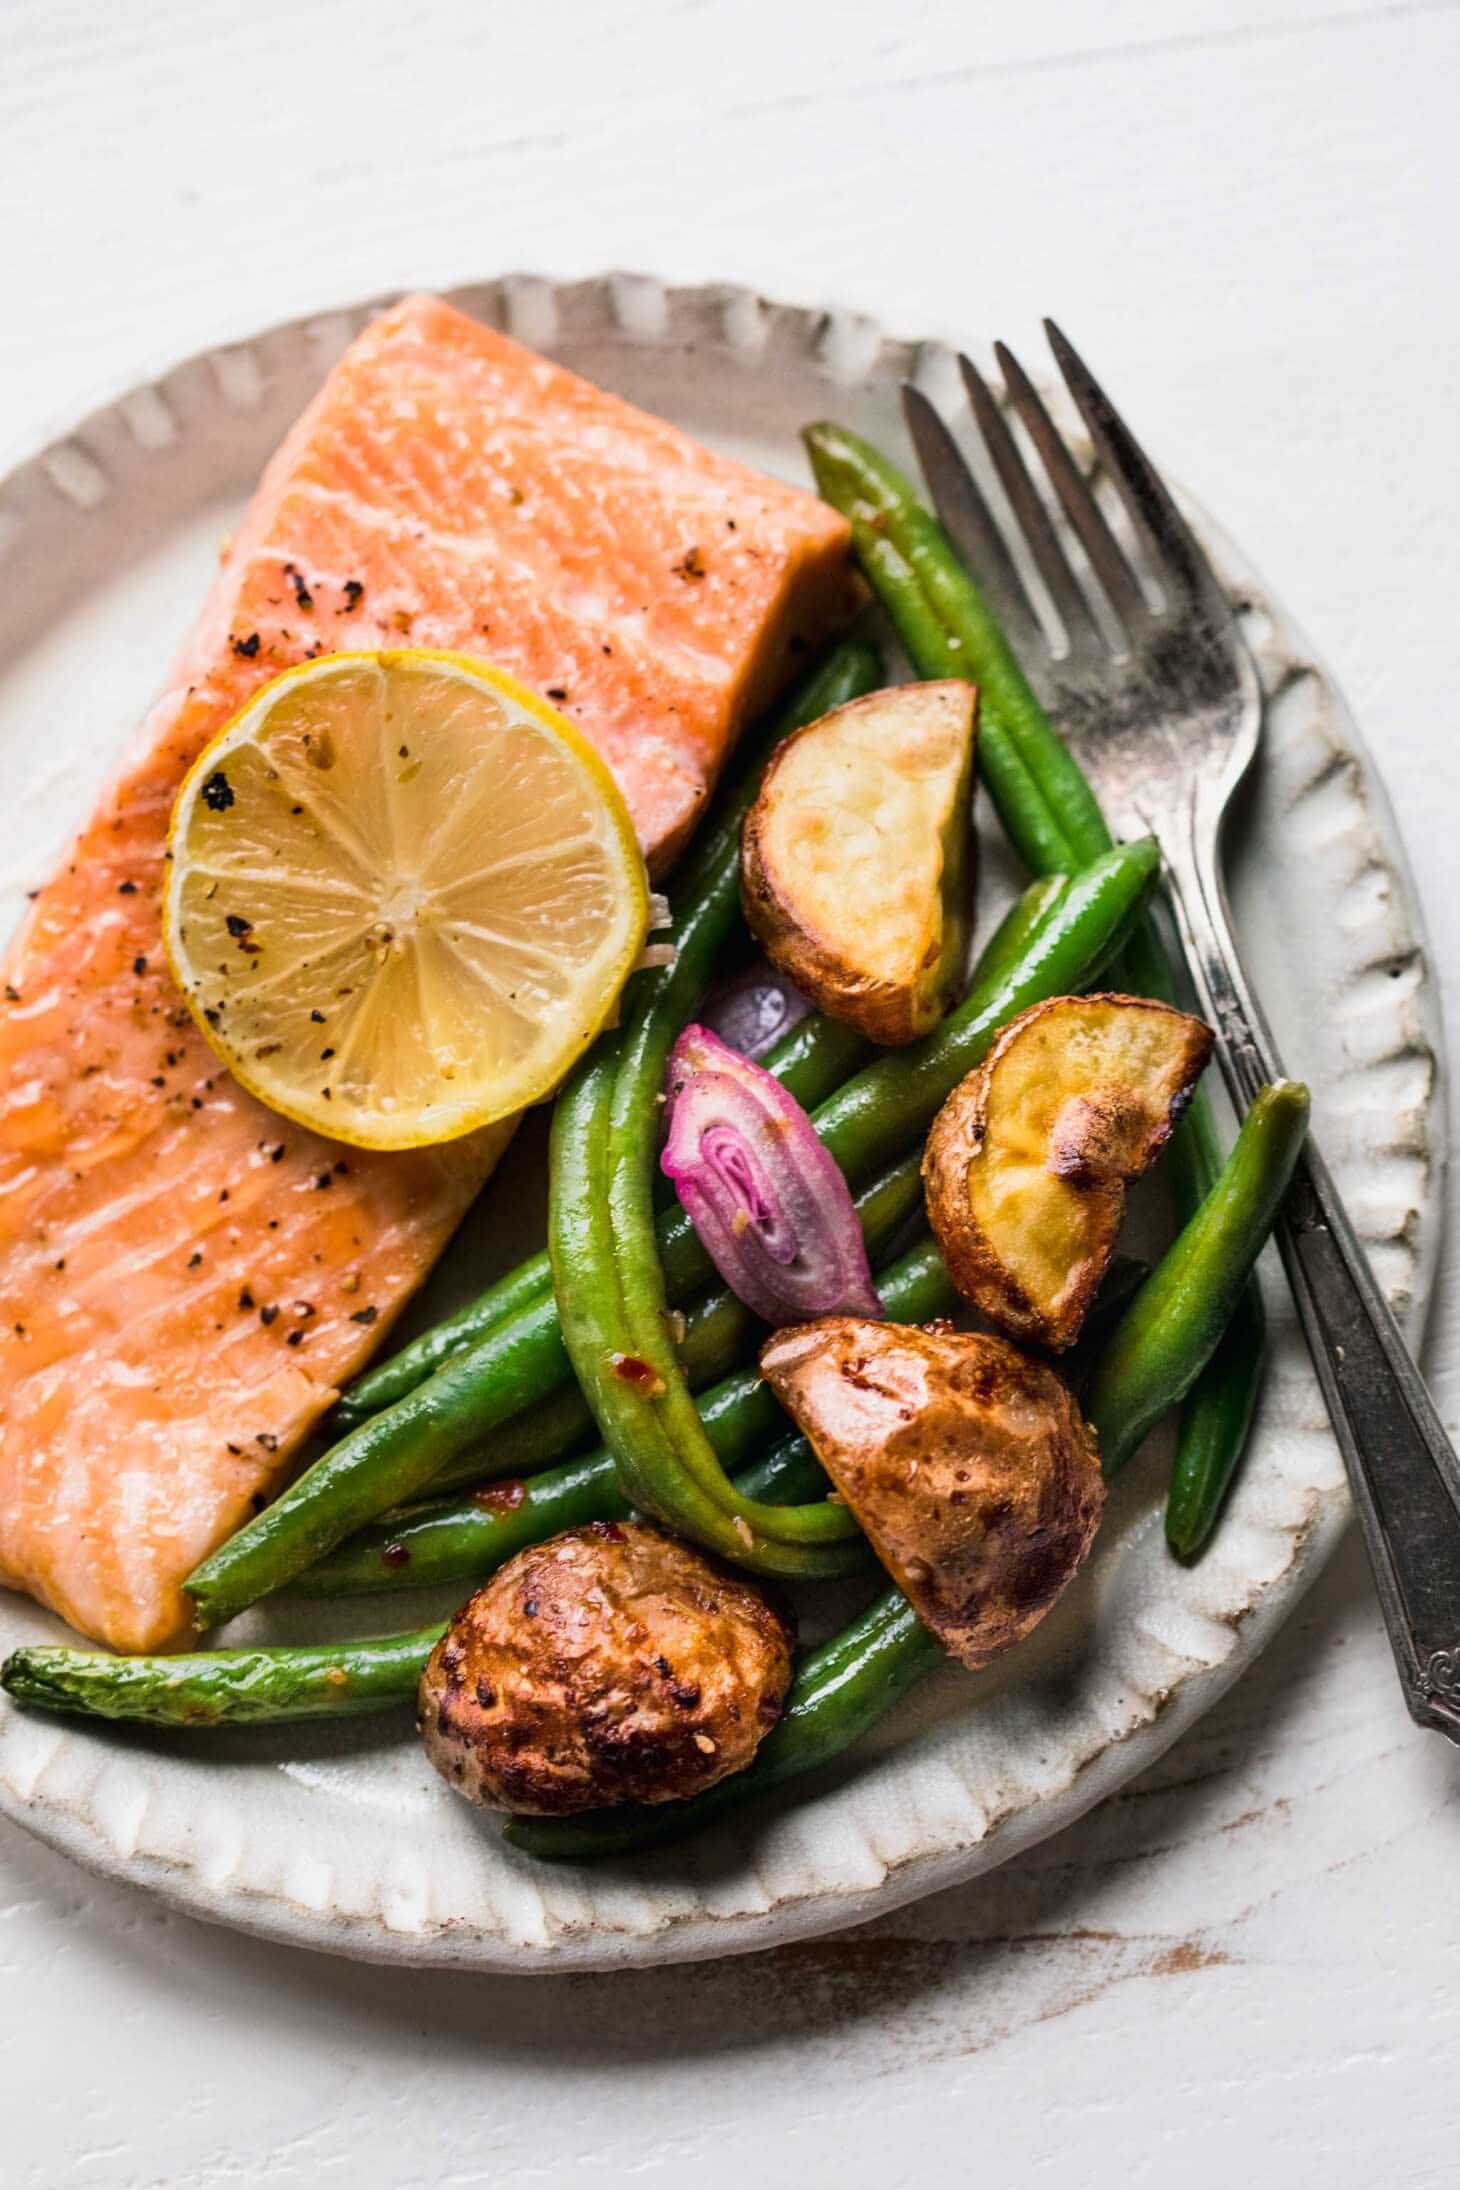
403	894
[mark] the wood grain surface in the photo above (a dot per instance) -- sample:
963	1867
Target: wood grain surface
1244	1967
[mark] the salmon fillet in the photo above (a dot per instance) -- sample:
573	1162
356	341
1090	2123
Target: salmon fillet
187	1279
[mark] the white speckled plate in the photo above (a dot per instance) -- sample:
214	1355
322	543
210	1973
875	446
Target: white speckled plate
342	1838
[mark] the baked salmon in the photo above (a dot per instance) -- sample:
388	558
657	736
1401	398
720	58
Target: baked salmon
186	1280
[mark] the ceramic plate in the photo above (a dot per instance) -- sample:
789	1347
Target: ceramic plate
342	1838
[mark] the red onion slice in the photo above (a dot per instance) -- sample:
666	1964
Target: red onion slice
770	1205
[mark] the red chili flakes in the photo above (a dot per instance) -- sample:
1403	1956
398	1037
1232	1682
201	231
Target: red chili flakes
500	1497
636	1371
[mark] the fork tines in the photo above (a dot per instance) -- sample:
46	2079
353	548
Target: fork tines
1181	567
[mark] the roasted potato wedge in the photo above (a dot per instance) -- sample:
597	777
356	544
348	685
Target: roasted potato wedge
967	1463
1027	1164
857	857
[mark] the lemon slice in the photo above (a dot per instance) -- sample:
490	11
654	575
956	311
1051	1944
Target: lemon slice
403	896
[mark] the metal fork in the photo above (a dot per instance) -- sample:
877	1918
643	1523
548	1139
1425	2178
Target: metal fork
1165	715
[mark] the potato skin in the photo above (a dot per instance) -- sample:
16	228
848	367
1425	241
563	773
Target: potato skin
889	1012
1091	1148
967	1463
611	1664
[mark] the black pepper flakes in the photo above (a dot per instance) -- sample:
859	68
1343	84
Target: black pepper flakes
126	889
268	1440
195	1258
139	965
218	793
354	595
317	1017
247	648
365	1315
245	1299
323	1178
295	1338
237	926
269	1315
297	579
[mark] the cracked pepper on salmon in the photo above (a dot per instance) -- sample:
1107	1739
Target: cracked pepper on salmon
185	1279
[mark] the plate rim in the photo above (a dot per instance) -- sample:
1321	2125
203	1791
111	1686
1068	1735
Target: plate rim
858	341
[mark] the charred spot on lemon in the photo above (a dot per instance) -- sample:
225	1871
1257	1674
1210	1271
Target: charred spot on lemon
403	895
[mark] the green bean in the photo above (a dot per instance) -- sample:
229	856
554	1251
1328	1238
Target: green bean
558	1424
1053	818
1214	1425
466	1539
1173	1325
388	1459
223	1687
708	902
839	1693
717	1331
1014	933
458	1539
621	1370
390	1380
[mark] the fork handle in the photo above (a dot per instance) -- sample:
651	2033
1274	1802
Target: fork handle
1401	1464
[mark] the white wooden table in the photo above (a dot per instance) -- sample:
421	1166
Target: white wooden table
1245	1967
